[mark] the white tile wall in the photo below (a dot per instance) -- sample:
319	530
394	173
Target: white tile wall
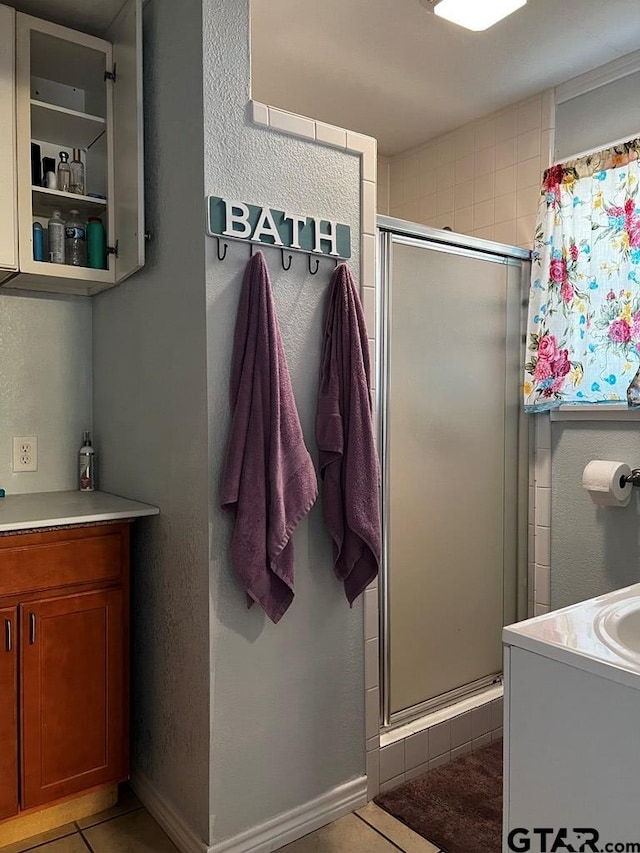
293	124
541	599
483	179
416	750
424	750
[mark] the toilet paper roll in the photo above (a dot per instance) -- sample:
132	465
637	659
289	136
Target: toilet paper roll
604	481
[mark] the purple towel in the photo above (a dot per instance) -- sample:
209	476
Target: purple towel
269	481
344	430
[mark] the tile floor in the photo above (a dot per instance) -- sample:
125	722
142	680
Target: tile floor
126	828
369	830
129	828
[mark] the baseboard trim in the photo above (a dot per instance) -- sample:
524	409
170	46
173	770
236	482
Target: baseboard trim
182	836
285	828
266	837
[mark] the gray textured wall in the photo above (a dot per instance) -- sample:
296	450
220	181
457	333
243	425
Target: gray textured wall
45	386
593	549
287	700
150	405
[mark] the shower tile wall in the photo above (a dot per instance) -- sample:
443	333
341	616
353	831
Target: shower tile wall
540	559
383	185
411	756
482	179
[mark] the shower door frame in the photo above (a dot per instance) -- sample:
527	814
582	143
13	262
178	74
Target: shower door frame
411	233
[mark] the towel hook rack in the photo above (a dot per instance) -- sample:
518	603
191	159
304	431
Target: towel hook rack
317	266
288	266
222	256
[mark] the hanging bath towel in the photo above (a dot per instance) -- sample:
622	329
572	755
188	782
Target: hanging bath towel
269	481
344	431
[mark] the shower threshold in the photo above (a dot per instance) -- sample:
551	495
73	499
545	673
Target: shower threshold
400	731
444	702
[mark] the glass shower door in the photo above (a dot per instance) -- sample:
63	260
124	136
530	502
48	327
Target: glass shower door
451	464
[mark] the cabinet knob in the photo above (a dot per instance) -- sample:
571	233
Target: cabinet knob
32	628
8	635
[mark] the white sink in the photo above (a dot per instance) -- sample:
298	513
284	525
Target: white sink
601	635
618	626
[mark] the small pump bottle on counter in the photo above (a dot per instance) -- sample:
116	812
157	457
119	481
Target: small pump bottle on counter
87	461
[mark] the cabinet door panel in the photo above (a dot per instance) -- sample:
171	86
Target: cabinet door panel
8	714
125	34
8	188
73	694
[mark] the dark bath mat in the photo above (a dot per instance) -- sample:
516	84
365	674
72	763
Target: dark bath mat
457	807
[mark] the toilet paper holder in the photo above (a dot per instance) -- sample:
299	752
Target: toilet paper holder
633	478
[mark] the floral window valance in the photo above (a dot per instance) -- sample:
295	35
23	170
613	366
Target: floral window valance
583	336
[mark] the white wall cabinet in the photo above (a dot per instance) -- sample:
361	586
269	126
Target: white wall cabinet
74	90
8	186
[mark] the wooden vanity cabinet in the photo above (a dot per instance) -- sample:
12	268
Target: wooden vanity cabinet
67	593
8	713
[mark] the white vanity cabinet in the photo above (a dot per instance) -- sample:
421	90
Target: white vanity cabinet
74	90
571	733
8	185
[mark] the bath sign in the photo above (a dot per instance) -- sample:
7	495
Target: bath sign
242	221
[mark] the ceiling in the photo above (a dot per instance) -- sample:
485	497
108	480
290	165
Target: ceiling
88	16
393	70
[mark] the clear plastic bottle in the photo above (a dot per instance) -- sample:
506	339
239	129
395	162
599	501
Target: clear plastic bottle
75	241
87	464
56	233
64	173
77	173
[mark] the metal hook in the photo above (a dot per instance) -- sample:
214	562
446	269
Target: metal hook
251	250
288	267
313	272
222	256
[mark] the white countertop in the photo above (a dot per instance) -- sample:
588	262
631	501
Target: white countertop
55	509
569	636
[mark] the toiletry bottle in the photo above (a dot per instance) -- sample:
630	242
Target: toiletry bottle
49	179
36	165
75	241
87	463
56	238
64	173
77	173
96	244
38	242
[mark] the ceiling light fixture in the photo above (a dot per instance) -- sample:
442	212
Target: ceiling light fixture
474	14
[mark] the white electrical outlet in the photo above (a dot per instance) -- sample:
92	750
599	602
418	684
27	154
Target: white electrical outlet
25	453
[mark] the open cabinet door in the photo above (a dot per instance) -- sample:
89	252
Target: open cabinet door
125	34
8	188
